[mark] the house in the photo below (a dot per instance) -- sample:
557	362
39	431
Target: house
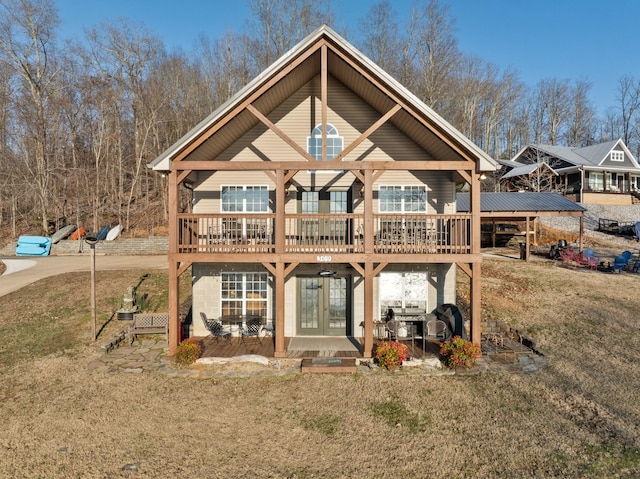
606	173
324	194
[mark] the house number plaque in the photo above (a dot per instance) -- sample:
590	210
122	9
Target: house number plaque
323	259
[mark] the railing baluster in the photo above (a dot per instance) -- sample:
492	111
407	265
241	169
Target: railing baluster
402	234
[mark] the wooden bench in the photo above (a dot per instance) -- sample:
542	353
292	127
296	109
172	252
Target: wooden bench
149	323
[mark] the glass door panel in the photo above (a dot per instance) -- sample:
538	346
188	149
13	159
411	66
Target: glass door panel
323	306
337	320
310	289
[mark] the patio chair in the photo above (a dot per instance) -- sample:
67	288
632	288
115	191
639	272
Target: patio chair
253	329
398	330
627	255
215	327
619	264
436	329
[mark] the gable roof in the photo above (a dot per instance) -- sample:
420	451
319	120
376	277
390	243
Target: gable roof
518	202
592	155
415	119
527	170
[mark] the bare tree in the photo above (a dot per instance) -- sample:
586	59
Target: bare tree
437	52
27	47
503	115
628	97
580	121
380	36
278	25
226	65
542	178
550	102
557	99
125	53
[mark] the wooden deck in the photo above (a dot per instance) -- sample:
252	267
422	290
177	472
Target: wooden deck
227	348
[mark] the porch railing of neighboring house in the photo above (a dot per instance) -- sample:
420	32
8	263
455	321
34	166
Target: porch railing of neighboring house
624	189
324	233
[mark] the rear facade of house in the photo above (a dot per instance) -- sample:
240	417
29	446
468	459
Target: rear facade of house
323	195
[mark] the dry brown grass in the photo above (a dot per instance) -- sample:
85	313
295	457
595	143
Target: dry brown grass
578	417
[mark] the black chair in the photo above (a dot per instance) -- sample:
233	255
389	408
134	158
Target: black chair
253	329
215	327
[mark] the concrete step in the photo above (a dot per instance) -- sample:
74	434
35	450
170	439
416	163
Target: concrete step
329	365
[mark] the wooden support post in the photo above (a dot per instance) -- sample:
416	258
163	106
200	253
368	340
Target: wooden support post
323	95
476	327
174	309
368	212
174	294
279	280
475	211
476	282
280	226
368	309
527	243
580	238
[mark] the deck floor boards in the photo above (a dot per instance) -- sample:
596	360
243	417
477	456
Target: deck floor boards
227	348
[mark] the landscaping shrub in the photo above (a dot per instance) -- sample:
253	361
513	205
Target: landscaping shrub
459	353
189	351
391	354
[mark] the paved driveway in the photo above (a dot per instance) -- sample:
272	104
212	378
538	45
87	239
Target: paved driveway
26	270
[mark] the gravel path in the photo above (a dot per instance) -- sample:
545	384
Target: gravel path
621	213
627	213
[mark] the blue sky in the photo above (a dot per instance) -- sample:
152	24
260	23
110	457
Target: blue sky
579	40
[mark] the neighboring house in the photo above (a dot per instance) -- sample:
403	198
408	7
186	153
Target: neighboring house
605	173
324	193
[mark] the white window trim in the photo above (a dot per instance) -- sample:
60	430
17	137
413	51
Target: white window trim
617	155
329	135
244	292
403	286
596	185
404	211
244	201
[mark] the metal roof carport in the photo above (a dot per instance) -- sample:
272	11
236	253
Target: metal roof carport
524	206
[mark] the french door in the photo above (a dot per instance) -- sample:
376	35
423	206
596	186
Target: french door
323	305
325	230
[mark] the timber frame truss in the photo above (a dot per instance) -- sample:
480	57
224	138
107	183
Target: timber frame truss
367	262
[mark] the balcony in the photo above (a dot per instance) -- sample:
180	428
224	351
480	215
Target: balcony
324	233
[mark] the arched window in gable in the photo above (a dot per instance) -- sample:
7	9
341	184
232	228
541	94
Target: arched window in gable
334	142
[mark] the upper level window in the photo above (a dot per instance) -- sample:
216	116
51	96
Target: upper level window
334	142
244	199
617	156
402	199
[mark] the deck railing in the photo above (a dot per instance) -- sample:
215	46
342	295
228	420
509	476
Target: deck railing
324	233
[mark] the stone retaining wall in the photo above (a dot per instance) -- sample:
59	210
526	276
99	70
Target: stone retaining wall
120	246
